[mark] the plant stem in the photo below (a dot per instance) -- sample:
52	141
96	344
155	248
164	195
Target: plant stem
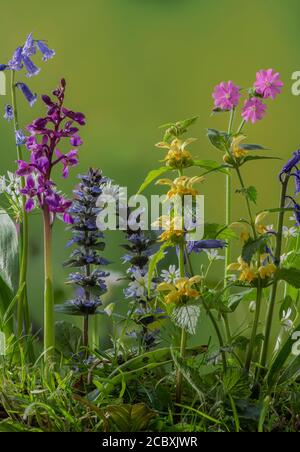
183	341
86	331
22	309
270	312
213	321
49	335
255	327
241	127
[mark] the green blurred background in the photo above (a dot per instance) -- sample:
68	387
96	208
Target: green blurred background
132	65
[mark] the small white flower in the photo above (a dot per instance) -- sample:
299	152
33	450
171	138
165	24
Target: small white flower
170	276
270	228
213	255
289	232
139	287
232	278
252	306
286	322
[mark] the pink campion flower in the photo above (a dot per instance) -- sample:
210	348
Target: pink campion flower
254	110
268	83
226	95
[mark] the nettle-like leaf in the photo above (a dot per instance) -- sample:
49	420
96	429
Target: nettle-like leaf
249	158
289	275
130	418
68	338
218	231
253	147
152	176
236	383
250	193
220	140
186	317
210	166
252	246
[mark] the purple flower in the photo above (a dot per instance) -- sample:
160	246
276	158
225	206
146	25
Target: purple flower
24	168
292	163
20	138
32	69
44	49
9	113
16	64
200	245
29	46
30	97
76	141
297	182
30	192
268	83
68	160
3	67
226	95
254	110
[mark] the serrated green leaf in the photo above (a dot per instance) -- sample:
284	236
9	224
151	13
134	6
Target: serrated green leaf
250	193
210	165
152	176
251	247
289	275
217	231
68	338
186	317
220	140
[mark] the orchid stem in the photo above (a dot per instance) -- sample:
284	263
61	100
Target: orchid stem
49	335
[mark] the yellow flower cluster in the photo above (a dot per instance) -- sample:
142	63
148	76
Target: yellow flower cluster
236	150
182	186
181	291
173	228
248	273
177	156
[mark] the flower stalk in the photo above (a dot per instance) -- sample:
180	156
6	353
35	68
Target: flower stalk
49	336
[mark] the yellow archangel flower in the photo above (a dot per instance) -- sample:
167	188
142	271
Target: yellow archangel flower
181	291
177	156
259	226
248	273
173	228
236	150
266	271
182	186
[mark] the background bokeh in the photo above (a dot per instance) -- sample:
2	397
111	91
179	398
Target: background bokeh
132	65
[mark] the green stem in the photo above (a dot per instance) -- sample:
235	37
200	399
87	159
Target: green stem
183	341
49	336
213	321
241	127
22	309
247	202
86	331
270	312
255	327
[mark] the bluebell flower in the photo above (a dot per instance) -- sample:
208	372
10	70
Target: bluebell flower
3	67
29	47
200	245
291	164
16	63
32	69
20	137
297	181
9	113
30	97
44	49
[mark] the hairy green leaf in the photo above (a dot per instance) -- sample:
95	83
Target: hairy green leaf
152	176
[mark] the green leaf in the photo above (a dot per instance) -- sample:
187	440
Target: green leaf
6	296
249	158
289	275
217	231
292	372
178	128
156	258
210	165
220	140
251	247
130	418
286	304
9	251
186	317
234	300
281	358
252	147
68	338
250	193
151	176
